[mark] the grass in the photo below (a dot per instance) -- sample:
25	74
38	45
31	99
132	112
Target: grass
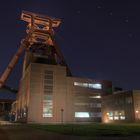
94	129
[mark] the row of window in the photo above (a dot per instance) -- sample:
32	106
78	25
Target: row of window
88	85
92	105
87	114
116	115
91	97
48	91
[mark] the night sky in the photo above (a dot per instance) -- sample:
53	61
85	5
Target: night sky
100	39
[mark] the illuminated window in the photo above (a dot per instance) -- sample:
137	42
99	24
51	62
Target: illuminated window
116	115
122	117
88	85
48	91
122	113
81	114
47	108
110	118
116	118
110	115
81	104
96	86
96	97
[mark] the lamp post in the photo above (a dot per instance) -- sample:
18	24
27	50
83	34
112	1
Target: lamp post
62	111
137	115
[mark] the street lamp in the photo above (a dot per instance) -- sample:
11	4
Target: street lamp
137	114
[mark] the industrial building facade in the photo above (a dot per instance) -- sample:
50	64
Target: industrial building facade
122	106
48	95
48	92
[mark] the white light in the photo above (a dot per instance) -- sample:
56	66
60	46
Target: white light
76	83
96	86
137	111
110	118
85	84
47	115
107	113
88	85
116	118
95	97
82	114
122	117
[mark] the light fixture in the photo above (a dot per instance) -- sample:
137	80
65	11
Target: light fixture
107	113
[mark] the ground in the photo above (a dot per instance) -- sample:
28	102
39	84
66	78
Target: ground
26	132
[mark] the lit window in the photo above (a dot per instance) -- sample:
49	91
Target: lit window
122	113
47	108
88	85
81	104
85	84
82	114
116	118
122	117
110	114
96	86
48	91
96	97
110	118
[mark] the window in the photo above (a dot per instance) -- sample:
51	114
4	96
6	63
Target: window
49	87
96	97
110	118
95	105
48	91
81	114
110	115
88	85
48	81
95	114
48	77
81	104
116	118
116	115
122	117
47	108
129	100
48	72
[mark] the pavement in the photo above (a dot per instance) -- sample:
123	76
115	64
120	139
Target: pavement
23	132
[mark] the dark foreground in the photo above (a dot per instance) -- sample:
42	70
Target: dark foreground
23	132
